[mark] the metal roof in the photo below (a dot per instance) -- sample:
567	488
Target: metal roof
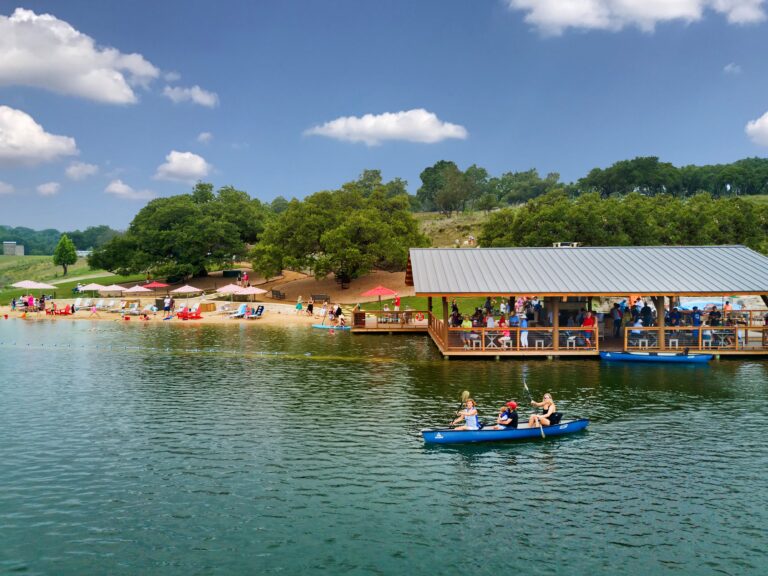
647	270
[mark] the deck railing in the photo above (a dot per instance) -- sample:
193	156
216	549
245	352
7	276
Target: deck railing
518	340
391	321
703	338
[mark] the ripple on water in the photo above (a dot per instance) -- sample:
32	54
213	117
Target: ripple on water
221	450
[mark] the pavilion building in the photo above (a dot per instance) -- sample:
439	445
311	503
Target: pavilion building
567	280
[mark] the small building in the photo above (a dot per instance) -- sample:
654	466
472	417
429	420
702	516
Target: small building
572	279
13	249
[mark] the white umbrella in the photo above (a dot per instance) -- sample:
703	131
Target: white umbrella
112	288
44	286
93	286
229	289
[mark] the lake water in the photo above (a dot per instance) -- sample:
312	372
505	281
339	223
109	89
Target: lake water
160	449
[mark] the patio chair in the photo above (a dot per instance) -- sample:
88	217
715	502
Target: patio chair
132	309
108	306
240	311
257	313
120	308
76	305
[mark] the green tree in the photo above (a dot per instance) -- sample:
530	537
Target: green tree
432	181
343	232
64	255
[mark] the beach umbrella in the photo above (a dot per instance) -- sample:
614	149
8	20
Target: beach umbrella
92	287
112	288
44	286
186	289
154	285
379	291
251	291
229	289
137	290
26	284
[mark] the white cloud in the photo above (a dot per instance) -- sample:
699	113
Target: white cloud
417	125
6	188
194	94
183	167
757	130
80	170
24	142
42	51
555	16
49	189
732	69
204	137
121	190
171	76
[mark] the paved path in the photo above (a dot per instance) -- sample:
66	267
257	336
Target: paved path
103	274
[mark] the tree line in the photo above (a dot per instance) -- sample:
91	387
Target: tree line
630	220
44	242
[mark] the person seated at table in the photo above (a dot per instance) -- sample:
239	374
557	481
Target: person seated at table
490	322
502	321
674	317
508	416
548	408
469	415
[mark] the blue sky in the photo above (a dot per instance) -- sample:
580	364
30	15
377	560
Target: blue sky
106	104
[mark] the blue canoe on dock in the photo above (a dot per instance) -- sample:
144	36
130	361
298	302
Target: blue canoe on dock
451	436
655	357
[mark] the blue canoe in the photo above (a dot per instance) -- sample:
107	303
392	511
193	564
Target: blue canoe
329	327
655	357
450	436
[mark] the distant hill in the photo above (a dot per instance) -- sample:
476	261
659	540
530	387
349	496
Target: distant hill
43	242
444	230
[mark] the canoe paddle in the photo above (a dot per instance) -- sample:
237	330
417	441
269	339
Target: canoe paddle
464	396
541	428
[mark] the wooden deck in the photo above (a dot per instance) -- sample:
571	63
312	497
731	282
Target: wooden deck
571	342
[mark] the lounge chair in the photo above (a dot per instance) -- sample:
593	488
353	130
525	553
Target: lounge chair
76	305
240	311
257	313
100	303
87	304
108	306
133	309
190	313
120	308
66	311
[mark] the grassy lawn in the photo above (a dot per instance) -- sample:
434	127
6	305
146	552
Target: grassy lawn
761	200
38	268
444	230
466	305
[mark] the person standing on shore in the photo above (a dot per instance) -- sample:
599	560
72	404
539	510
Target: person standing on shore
311	307
299	305
167	306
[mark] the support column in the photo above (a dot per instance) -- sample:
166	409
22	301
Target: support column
445	321
556	323
658	302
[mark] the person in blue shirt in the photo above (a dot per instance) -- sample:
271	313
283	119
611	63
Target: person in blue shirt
696	321
469	415
508	416
674	317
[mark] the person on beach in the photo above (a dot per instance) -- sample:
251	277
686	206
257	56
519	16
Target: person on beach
469	415
299	305
507	417
94	311
167	306
548	408
13	304
173	305
311	307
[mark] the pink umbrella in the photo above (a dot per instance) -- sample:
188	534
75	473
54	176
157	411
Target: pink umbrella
137	289
229	289
93	286
251	291
112	288
186	289
27	284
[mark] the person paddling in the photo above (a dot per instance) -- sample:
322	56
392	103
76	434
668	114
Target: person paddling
548	408
469	415
508	416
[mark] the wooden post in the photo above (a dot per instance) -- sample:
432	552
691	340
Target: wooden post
556	324
658	302
445	321
429	303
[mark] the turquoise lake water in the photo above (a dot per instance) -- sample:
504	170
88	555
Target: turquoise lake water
159	449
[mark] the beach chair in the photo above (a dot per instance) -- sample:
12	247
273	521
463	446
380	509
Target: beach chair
240	311
190	313
87	304
120	308
256	314
76	305
132	309
66	311
100	303
108	306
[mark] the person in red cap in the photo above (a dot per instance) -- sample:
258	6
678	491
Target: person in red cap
507	417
